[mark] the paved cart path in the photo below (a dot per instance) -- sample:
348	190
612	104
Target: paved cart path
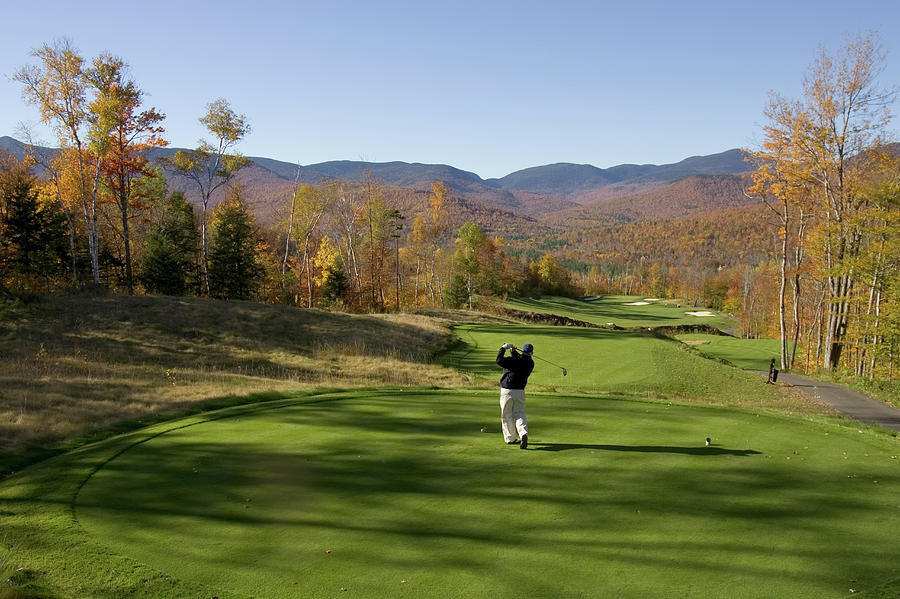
851	403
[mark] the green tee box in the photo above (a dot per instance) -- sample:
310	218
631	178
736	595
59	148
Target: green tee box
398	493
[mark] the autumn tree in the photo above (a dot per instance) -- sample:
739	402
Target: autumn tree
826	140
787	198
213	164
346	227
376	229
331	277
131	134
847	121
59	88
875	334
470	240
288	238
552	277
416	246
435	225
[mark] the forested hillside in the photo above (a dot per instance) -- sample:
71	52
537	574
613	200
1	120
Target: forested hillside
694	194
719	238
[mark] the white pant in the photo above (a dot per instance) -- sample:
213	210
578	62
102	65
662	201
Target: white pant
512	413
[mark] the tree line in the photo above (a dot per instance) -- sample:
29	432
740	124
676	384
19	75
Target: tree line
100	214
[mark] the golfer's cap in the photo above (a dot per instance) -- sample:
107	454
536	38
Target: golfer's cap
527	348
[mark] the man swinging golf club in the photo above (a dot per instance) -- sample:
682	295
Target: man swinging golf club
516	368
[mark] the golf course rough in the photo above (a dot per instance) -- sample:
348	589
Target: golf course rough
365	490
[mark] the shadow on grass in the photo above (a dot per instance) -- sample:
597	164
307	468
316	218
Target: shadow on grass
712	450
309	472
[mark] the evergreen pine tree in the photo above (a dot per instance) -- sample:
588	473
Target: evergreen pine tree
169	265
233	268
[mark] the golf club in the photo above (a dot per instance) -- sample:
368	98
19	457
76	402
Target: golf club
564	371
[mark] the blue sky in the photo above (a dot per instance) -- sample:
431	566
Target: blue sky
489	87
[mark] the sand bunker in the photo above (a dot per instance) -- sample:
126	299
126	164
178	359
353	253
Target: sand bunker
703	313
651	299
637	304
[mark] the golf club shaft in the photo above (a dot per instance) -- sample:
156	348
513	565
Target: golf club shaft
547	361
540	358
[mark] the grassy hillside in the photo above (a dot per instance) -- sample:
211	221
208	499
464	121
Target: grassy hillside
72	367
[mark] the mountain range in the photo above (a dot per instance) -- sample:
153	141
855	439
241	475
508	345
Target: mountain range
553	195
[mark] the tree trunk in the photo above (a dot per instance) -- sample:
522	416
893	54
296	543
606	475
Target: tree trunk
397	269
287	239
875	334
204	262
431	278
93	229
835	333
781	293
416	296
71	224
126	233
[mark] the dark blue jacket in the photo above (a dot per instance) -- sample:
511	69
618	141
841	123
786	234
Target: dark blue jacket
516	369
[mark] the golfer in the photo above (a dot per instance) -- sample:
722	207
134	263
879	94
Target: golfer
516	368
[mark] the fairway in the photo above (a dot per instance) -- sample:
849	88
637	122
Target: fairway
400	494
622	310
603	361
749	354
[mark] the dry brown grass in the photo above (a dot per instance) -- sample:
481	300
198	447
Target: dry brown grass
73	367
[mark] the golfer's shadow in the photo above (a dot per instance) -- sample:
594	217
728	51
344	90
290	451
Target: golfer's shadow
710	450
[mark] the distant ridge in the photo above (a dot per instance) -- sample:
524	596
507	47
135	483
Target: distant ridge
573	180
531	192
561	179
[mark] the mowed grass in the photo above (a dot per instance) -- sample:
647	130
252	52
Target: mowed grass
609	362
749	354
615	309
399	494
